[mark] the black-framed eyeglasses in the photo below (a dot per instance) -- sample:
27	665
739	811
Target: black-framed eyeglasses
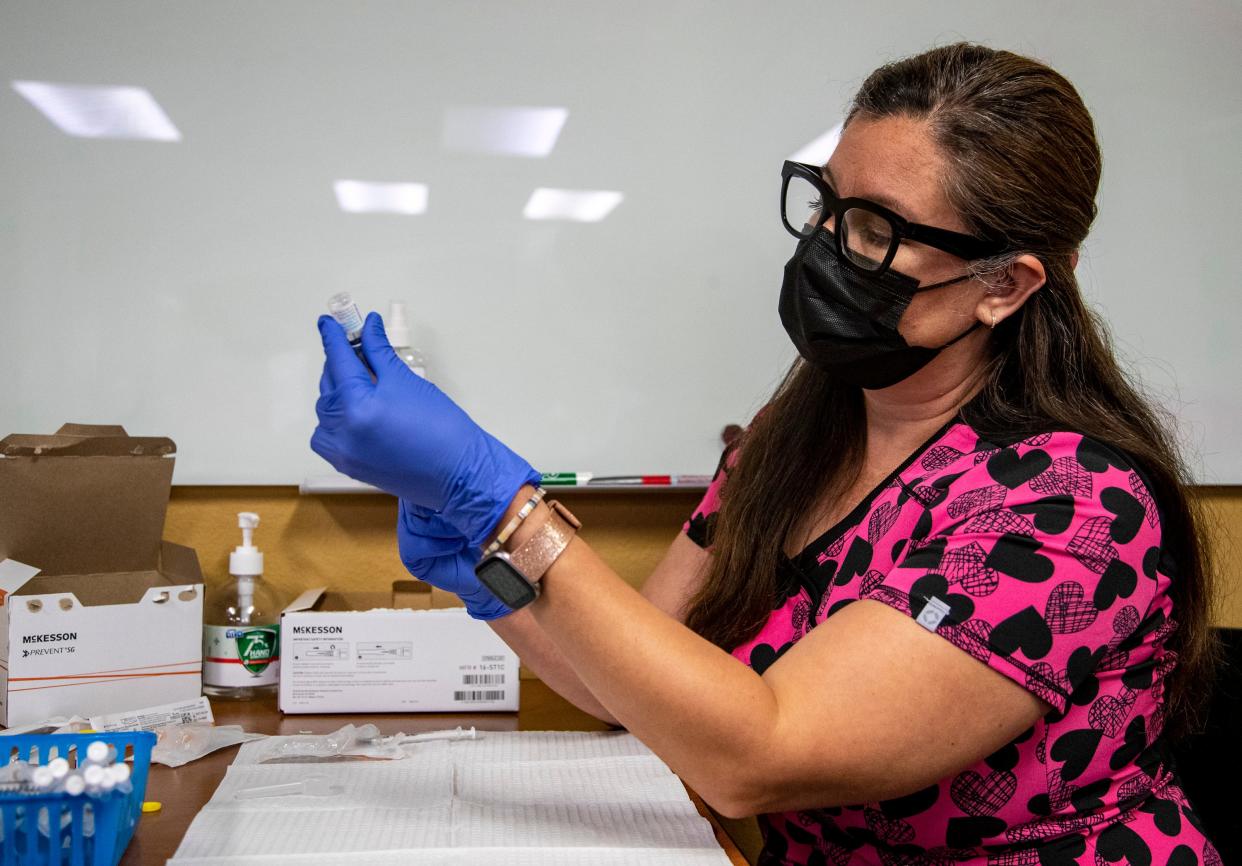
867	234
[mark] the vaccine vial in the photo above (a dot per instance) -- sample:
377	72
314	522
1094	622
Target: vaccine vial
99	752
59	768
345	311
94	776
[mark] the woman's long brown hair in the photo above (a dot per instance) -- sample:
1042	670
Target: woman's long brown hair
1024	165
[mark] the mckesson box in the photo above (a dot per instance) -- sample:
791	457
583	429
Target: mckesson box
381	661
97	613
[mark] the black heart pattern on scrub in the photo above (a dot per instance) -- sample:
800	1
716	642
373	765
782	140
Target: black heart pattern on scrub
1109	712
856	561
973	637
1075	750
1039	555
1012	470
1139	489
976	794
881	521
1065	477
1128	513
1080	674
968	567
1068	611
1052	515
1120	844
934	586
890	830
1025	632
1018	556
1096	457
976	500
1118	580
970	832
939	457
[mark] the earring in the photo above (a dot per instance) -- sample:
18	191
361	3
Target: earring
993	312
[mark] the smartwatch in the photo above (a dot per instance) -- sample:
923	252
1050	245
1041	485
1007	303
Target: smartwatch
513	577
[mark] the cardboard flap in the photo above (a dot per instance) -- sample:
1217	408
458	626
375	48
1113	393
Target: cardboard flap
307	600
71	429
18	445
84	504
179	563
13	576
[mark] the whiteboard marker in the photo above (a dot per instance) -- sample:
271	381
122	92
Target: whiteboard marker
566	479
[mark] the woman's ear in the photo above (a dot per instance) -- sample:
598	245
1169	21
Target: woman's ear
1023	278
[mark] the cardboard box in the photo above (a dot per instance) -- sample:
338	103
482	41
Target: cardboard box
388	661
411	595
97	613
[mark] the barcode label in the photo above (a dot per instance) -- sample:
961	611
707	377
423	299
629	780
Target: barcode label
483	679
480	695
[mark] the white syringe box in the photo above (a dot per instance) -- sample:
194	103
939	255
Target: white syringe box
392	661
98	613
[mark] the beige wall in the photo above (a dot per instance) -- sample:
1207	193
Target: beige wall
347	541
1223	510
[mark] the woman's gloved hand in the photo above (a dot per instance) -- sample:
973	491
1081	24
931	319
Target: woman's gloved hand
402	434
433	551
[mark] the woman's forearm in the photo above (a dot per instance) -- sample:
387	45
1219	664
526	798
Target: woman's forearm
539	653
678	693
608	648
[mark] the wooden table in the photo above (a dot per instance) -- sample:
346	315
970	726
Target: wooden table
184	790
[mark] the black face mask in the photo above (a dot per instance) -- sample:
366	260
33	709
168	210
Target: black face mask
845	322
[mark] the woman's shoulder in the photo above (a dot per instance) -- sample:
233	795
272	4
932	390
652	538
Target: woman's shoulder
1017	458
702	523
1033	469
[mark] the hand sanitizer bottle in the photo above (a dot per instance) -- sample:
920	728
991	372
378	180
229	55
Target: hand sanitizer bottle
241	635
399	335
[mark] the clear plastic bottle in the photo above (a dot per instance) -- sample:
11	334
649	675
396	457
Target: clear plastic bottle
241	629
398	328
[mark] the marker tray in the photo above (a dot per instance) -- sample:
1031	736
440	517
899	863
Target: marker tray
94	829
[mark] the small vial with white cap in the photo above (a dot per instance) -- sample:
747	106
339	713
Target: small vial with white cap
99	752
16	772
94	777
59	768
120	774
345	311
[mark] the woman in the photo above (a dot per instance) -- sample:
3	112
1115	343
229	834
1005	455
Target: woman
954	554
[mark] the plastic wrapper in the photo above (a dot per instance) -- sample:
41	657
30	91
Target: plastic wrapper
180	744
351	742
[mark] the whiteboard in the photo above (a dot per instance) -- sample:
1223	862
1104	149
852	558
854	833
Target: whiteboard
173	286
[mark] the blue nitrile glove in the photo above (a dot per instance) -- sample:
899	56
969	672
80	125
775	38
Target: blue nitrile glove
433	551
402	434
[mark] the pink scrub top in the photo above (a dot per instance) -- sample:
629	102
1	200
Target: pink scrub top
1042	558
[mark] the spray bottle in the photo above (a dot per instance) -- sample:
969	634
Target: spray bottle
241	633
399	336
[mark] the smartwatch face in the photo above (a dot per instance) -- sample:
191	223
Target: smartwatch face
505	582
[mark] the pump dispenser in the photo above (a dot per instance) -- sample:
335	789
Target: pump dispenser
241	634
398	328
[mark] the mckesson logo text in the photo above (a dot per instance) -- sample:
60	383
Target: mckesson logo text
316	629
49	638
